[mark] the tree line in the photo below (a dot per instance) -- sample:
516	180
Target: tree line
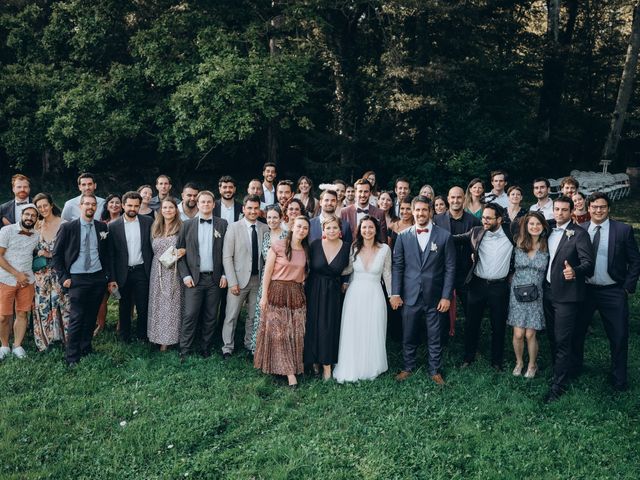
437	91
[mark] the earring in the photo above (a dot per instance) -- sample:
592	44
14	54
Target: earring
324	237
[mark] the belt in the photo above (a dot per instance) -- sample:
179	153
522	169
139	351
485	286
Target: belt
489	282
602	287
206	273
135	267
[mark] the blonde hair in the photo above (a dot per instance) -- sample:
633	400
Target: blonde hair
158	227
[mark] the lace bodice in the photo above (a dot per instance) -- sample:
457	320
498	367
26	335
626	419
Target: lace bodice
380	267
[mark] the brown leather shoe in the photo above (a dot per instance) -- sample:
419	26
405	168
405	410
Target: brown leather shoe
437	378
402	376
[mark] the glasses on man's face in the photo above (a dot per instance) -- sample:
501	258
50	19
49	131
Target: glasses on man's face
29	215
489	219
598	207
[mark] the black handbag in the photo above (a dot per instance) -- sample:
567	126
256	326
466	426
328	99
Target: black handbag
526	293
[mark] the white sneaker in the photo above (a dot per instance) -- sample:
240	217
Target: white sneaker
4	351
19	352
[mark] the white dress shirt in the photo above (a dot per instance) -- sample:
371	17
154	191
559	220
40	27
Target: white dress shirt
134	241
205	244
502	199
227	212
554	241
269	195
546	209
600	274
359	216
423	238
494	256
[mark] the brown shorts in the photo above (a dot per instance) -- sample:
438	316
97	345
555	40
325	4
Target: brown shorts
20	297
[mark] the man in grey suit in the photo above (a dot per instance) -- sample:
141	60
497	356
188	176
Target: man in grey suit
242	260
202	273
423	275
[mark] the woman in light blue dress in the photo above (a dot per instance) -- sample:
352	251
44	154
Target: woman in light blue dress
531	261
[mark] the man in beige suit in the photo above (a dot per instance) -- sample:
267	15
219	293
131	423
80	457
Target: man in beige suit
242	260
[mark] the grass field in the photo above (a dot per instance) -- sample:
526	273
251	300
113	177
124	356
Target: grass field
130	412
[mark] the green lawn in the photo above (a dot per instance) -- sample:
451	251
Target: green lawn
215	419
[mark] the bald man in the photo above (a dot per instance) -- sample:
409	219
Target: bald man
457	221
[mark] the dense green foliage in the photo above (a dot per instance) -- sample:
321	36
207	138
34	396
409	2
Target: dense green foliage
440	91
223	419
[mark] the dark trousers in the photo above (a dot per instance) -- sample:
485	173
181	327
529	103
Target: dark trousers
85	295
561	320
483	293
136	288
461	294
203	298
611	302
414	319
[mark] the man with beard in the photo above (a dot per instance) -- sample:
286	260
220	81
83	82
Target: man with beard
81	260
87	186
354	213
328	204
12	210
188	207
131	254
17	243
227	208
544	204
268	189
491	246
456	221
284	193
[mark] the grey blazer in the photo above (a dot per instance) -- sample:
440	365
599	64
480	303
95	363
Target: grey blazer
189	264
236	252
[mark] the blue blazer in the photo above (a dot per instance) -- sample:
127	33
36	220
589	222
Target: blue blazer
623	263
430	278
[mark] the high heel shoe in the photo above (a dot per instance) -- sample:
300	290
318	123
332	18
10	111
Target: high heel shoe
531	372
518	370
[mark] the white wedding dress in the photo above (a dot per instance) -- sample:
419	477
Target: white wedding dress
362	354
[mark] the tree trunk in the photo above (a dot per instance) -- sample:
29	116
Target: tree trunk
626	87
274	49
554	66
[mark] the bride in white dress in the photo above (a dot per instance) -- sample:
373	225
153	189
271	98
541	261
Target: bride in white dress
362	354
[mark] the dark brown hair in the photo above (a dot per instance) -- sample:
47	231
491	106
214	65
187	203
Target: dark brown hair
359	241
525	240
305	240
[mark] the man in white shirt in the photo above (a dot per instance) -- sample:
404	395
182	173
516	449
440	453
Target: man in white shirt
268	187
242	261
87	185
17	243
188	207
544	204
498	194
227	208
492	246
131	255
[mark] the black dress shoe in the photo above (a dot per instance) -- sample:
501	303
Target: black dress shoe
226	355
552	395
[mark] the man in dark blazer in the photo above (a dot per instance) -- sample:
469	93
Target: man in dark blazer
571	261
491	248
423	273
202	274
21	187
617	267
81	261
456	221
227	208
353	213
131	255
328	204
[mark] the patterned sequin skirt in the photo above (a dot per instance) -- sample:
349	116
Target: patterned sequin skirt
280	341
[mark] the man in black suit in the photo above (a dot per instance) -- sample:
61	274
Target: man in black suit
131	254
227	208
10	211
328	204
617	267
570	262
456	221
81	260
491	246
202	273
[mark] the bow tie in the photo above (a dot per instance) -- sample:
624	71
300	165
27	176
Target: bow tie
21	203
360	210
22	232
557	229
422	230
206	220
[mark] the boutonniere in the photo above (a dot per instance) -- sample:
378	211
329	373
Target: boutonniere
103	235
569	233
216	234
434	247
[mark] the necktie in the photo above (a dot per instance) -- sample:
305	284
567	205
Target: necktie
87	248
360	210
254	250
596	239
206	220
422	230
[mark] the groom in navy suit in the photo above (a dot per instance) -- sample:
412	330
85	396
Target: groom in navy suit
423	275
